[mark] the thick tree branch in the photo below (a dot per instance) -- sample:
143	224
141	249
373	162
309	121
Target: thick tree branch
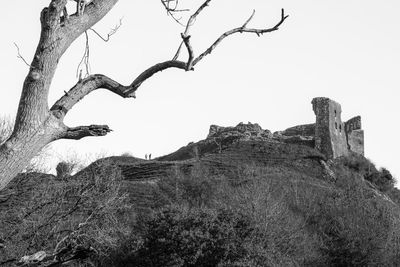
93	82
98	81
80	132
86	86
156	68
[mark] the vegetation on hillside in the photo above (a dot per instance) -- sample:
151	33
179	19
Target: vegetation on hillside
212	221
195	218
67	217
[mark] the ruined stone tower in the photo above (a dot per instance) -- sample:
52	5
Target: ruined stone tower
329	134
355	135
333	137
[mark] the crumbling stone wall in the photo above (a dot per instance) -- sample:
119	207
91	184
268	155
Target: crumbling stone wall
333	137
303	130
330	135
300	135
355	135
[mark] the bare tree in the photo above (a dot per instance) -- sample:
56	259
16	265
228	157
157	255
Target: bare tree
37	124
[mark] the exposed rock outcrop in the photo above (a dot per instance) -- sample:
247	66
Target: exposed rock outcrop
244	132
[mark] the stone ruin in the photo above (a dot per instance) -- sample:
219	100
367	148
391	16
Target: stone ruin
333	137
329	134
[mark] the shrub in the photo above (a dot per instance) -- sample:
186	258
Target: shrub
353	227
278	238
178	236
64	169
195	187
382	178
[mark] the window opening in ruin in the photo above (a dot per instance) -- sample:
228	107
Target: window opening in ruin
336	125
340	128
335	113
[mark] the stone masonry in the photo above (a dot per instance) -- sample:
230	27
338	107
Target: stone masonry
329	134
333	137
355	136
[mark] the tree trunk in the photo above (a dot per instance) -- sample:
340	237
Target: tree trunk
17	152
36	125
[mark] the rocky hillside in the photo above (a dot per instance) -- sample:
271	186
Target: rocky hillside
307	200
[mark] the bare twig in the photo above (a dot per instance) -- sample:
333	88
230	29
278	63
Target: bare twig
242	29
190	22
21	57
249	19
186	37
85	60
172	10
178	51
78	228
111	33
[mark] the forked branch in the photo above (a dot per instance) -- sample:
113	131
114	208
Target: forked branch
111	33
97	81
242	29
190	22
171	6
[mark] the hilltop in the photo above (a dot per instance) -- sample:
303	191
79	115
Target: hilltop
243	196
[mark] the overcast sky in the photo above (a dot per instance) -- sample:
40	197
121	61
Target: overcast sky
348	51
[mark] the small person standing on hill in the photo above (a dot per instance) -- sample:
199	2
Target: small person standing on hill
145	156
149	156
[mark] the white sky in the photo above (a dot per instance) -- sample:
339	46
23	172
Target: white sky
348	51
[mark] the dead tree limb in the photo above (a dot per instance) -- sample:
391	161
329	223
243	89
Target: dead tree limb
97	81
36	124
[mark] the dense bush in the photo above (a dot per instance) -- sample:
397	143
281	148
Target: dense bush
353	232
64	169
382	178
356	225
193	237
195	188
394	195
